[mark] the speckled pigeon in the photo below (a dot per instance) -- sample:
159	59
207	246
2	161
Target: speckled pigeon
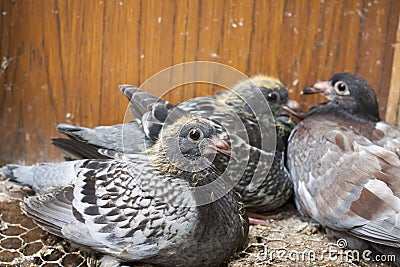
164	207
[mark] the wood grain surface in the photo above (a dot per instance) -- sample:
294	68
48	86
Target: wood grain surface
62	61
393	103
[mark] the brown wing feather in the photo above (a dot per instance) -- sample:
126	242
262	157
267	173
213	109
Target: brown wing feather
348	179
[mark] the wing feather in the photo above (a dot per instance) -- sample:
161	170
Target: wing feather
348	181
117	207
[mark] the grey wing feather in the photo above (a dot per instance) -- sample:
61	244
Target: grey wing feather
127	137
125	216
74	149
79	232
120	209
54	213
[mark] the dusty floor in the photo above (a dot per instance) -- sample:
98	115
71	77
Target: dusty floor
284	242
291	242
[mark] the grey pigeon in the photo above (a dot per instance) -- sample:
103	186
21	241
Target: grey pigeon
165	207
345	165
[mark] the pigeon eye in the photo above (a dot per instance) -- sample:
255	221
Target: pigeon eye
341	88
195	134
272	97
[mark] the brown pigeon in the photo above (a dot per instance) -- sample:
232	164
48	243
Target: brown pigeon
345	166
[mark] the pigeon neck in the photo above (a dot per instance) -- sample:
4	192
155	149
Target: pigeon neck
329	108
194	175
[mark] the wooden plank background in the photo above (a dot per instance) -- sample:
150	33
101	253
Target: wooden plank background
62	61
393	103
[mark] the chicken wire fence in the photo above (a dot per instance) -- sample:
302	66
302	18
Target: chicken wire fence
23	243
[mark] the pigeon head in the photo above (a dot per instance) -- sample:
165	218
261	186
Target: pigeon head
349	96
189	143
197	137
274	92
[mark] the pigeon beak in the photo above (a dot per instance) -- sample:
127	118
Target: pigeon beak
220	146
292	108
293	104
322	88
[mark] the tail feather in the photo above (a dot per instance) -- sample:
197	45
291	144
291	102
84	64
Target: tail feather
127	137
7	171
72	131
74	149
141	101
